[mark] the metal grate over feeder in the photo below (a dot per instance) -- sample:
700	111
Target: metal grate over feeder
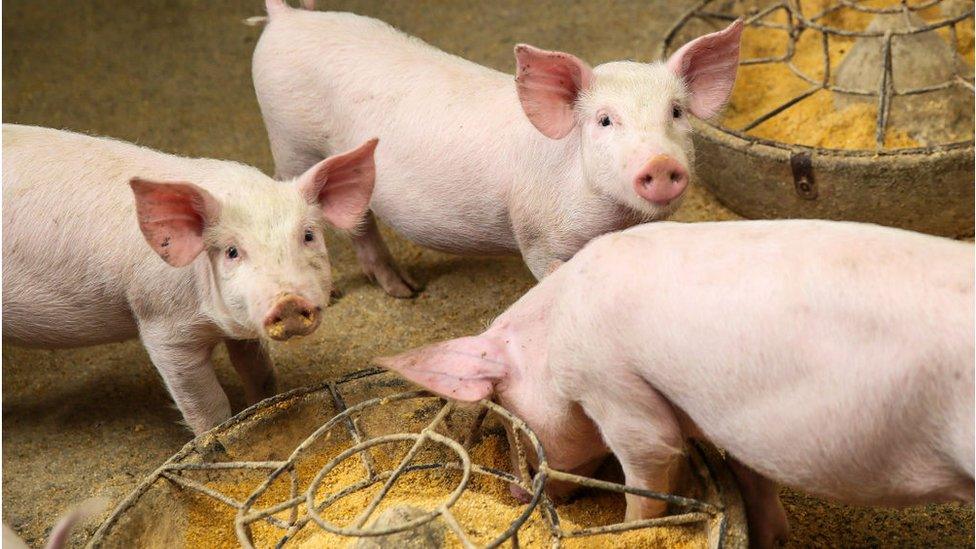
283	452
907	67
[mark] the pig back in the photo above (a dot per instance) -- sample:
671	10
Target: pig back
790	343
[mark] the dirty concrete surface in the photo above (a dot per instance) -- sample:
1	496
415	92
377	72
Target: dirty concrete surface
175	75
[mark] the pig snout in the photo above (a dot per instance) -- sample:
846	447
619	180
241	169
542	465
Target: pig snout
661	180
291	316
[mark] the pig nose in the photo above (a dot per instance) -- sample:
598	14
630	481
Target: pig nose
661	180
291	316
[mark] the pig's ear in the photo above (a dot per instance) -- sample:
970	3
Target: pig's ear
342	185
548	83
172	217
708	65
462	369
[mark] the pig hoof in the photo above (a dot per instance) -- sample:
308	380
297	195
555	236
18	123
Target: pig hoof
335	295
397	284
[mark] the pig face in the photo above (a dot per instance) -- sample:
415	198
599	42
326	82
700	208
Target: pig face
266	268
632	118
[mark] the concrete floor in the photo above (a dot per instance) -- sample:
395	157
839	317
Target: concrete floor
175	75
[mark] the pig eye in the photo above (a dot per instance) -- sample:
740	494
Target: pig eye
232	253
604	120
676	111
309	235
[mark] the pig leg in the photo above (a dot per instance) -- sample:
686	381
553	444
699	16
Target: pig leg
377	263
290	160
539	258
768	526
250	359
642	430
189	375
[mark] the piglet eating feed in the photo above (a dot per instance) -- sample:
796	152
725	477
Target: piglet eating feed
479	162
836	358
232	256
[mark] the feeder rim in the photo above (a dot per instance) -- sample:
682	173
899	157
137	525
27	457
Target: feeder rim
714	130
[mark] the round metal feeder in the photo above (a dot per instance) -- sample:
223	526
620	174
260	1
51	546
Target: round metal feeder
928	189
271	439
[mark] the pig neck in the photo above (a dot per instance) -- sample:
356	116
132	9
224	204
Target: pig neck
550	179
567	434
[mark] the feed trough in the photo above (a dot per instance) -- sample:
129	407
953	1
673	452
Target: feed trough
844	109
367	462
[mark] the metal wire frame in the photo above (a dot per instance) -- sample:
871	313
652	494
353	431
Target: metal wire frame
798	22
694	510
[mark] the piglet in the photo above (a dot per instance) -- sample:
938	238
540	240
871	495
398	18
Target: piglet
835	358
474	162
233	256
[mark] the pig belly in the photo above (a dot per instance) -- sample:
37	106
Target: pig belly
52	319
457	225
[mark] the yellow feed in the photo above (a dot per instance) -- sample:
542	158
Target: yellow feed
485	510
815	121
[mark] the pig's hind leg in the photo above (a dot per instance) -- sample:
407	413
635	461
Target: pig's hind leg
377	262
253	365
190	378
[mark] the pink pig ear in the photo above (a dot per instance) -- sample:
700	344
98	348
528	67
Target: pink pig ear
342	185
463	369
708	65
172	217
548	83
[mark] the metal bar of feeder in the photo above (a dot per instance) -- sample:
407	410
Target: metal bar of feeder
965	83
878	34
884	93
789	103
223	465
869	9
293	492
825	43
469	440
670	520
452	523
825	12
730	17
206	490
354	431
424	435
614	487
755	18
763	60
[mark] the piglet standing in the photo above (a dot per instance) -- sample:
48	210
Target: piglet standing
836	358
475	163
232	255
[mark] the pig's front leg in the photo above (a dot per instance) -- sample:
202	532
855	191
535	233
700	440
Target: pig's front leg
253	364
640	427
768	526
540	259
189	376
377	263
